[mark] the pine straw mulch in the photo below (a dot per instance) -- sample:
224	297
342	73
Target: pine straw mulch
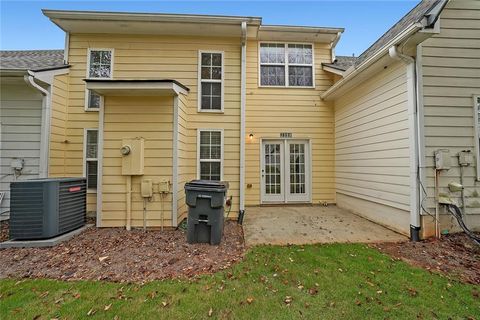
453	255
114	254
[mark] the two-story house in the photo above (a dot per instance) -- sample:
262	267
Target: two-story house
273	111
212	97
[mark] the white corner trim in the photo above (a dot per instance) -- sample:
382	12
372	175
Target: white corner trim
112	63
101	117
175	163
199	83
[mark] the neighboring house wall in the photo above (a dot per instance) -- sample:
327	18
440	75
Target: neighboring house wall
159	57
372	149
20	119
451	76
300	111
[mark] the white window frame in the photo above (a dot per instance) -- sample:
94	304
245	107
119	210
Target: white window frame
87	108
112	62
287	84
200	80
476	112
85	159
222	144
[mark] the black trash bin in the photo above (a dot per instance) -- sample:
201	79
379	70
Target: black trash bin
205	200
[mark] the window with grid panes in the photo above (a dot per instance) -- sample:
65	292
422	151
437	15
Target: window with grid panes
211	77
210	158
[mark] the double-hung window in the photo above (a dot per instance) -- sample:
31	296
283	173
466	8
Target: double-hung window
210	154
99	66
286	65
210	95
91	158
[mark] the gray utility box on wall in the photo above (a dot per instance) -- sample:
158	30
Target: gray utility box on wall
205	200
45	208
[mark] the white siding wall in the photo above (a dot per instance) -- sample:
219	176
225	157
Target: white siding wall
20	118
451	76
372	149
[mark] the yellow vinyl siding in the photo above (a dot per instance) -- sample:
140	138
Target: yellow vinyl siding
372	148
451	76
129	117
270	111
58	121
157	57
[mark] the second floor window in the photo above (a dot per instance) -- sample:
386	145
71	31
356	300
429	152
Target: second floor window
100	64
211	81
289	65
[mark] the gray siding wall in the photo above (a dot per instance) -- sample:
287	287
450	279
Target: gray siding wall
372	148
451	76
20	118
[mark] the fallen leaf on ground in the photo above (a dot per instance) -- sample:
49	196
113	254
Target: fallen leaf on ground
101	259
107	307
210	312
250	300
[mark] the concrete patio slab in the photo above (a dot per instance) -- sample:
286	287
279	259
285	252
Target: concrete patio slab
283	225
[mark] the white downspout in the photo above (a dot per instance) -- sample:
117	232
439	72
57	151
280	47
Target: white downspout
243	80
45	124
413	139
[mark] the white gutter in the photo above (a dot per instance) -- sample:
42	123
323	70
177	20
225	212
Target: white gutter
367	63
243	84
45	124
67	46
413	139
334	44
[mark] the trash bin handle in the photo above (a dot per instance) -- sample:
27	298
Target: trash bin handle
204	196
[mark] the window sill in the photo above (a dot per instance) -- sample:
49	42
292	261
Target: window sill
92	109
89	191
210	111
286	87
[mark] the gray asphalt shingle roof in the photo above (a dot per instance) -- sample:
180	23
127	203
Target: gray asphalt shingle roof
342	63
415	15
31	59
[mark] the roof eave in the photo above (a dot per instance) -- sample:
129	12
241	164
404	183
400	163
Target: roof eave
330	93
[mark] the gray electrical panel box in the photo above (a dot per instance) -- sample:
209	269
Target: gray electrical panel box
465	158
442	159
45	208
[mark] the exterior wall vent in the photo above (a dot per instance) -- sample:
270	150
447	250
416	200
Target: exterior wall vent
45	208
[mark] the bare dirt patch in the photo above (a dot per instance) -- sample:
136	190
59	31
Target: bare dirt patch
114	254
454	255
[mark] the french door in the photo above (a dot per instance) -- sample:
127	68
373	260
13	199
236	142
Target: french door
285	171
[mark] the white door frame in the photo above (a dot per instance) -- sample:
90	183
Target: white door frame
286	171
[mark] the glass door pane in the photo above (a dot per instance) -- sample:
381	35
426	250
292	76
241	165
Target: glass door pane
272	171
298	171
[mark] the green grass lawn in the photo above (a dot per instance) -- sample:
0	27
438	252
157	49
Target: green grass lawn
340	281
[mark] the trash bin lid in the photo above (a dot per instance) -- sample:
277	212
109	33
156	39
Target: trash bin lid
207	185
